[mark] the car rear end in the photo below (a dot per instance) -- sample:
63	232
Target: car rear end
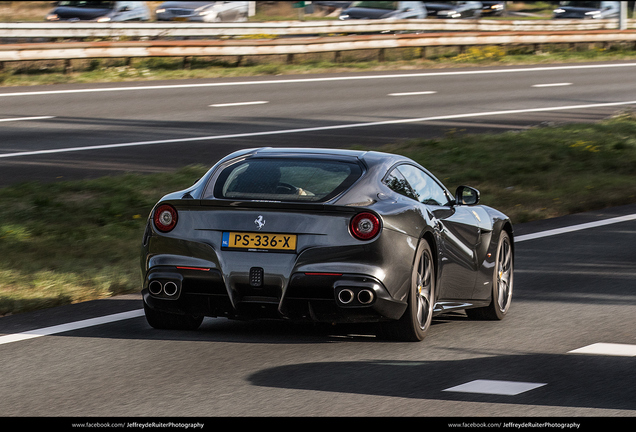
266	237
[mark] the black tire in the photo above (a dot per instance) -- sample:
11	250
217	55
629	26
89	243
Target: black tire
414	324
503	277
168	321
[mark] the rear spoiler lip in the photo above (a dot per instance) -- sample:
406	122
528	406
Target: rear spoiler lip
263	205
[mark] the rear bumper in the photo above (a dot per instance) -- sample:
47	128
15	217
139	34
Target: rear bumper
318	297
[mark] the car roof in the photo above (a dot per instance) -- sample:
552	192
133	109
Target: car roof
368	156
378	160
270	151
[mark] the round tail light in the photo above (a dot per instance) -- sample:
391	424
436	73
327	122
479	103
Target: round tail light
365	226
165	218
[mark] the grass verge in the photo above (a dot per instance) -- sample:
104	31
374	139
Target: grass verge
68	242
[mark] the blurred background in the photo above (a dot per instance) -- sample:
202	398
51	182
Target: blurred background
34	11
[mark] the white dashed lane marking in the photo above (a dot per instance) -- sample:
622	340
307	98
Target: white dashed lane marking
234	104
608	349
506	388
513	388
552	85
25	118
413	93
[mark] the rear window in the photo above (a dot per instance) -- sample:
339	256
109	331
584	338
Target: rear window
583	4
389	5
88	4
274	179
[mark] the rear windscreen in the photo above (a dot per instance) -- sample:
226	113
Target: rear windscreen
285	179
88	4
390	5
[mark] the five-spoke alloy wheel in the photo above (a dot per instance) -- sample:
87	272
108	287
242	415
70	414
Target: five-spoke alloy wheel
416	320
502	283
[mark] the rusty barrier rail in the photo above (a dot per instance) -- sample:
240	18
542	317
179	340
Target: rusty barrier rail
289	28
292	46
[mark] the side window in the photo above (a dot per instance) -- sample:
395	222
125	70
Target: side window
409	5
397	183
427	190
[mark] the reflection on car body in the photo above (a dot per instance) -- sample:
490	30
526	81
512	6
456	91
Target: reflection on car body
384	10
203	11
99	11
324	235
587	10
493	8
454	9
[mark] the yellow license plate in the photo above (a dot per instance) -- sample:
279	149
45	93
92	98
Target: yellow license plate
179	19
259	241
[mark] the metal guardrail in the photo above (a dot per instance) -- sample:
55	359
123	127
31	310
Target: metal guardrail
289	28
292	46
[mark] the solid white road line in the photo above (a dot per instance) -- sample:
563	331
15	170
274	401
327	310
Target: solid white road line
26	118
326	79
507	388
412	93
315	129
610	349
70	326
574	228
238	104
553	85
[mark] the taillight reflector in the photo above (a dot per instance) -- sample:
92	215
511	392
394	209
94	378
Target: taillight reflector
165	218
365	226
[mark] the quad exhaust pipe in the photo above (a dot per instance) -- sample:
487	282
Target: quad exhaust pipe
347	296
155	287
168	288
365	296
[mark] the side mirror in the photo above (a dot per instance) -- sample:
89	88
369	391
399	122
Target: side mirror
466	195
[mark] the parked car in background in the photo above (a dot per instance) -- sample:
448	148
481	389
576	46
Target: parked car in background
454	9
333	4
587	10
384	10
493	8
203	11
99	11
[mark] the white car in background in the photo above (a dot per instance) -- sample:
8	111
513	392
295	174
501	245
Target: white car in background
99	11
384	10
203	11
587	10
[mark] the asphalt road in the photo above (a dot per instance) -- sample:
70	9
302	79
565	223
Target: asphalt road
566	350
574	290
79	131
